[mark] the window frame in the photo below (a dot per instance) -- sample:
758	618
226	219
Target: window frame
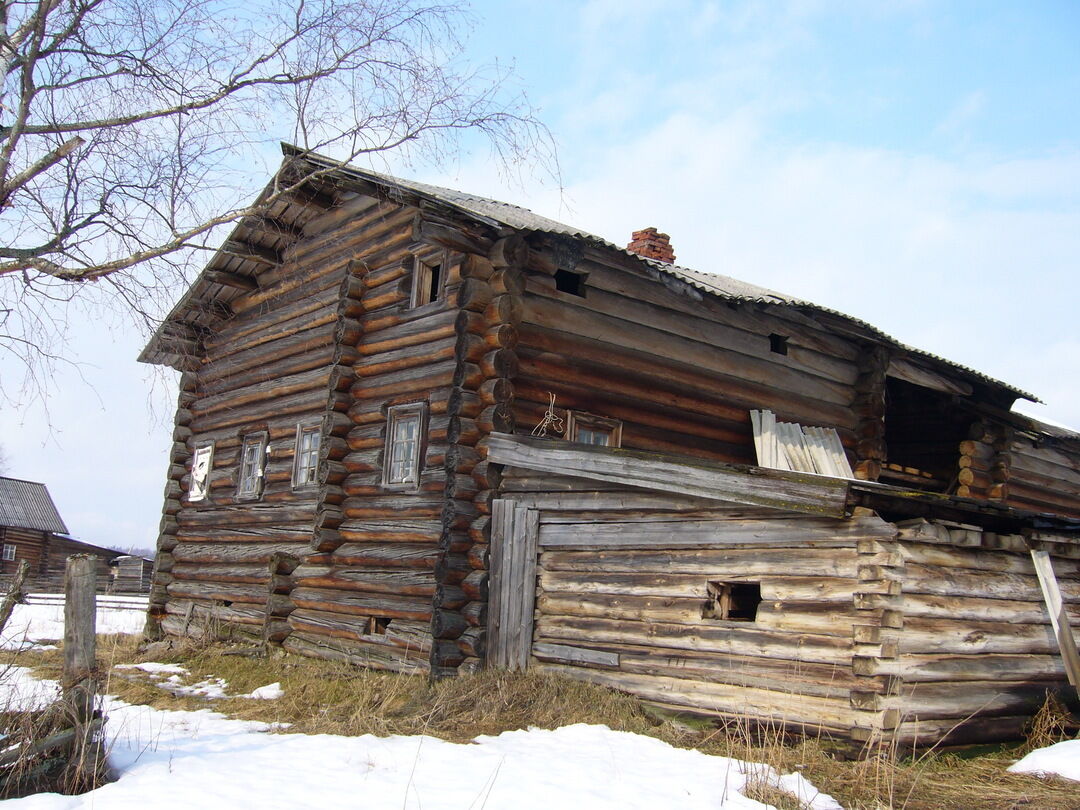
202	493
254	493
394	415
576	420
305	429
9	557
422	293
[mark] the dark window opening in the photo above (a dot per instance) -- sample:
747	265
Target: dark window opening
567	282
923	431
778	343
732	601
376	626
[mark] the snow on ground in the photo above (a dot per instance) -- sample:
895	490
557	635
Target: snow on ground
31	624
184	759
1060	759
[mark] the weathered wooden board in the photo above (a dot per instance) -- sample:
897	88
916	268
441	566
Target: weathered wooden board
789	491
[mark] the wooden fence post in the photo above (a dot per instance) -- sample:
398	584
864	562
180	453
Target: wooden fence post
87	766
14	594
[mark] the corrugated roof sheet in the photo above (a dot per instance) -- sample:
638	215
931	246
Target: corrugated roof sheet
517	217
28	505
500	215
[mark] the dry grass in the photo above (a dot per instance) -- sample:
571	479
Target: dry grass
327	697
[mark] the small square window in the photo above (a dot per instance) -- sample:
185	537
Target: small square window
306	460
732	601
202	462
404	445
429	275
587	428
569	282
9	552
252	460
778	344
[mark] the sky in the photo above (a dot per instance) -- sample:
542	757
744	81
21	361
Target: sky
912	163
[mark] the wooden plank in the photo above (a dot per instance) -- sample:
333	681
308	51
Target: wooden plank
528	523
723	482
1058	617
565	654
707	533
501	511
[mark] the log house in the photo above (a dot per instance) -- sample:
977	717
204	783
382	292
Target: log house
425	431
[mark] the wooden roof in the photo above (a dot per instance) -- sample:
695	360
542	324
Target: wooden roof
28	505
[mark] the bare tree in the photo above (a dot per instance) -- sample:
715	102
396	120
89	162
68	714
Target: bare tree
130	130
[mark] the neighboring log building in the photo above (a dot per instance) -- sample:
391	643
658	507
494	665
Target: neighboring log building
31	529
352	474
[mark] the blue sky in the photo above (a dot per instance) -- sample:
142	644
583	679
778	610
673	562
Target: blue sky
915	164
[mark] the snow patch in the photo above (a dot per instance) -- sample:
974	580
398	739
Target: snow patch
202	759
1061	759
272	691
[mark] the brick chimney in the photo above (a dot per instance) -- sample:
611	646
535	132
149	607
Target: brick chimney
652	245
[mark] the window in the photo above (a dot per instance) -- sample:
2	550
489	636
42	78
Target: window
404	445
778	343
9	552
428	277
252	456
732	601
201	464
570	282
306	460
589	429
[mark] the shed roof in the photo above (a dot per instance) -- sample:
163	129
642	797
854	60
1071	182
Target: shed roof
28	505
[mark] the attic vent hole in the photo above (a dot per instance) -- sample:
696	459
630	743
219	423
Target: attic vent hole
567	282
778	343
732	601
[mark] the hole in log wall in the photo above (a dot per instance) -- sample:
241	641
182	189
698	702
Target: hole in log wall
732	601
778	343
567	282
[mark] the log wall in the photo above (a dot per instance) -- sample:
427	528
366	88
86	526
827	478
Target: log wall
1044	477
379	572
977	653
622	588
29	545
681	372
281	354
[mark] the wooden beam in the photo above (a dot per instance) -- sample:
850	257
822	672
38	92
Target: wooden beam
252	253
917	374
234	280
796	492
1059	619
272	227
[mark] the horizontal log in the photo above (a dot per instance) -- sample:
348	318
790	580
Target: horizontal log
776	706
363	604
790	491
975	667
712	563
359	653
719	639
